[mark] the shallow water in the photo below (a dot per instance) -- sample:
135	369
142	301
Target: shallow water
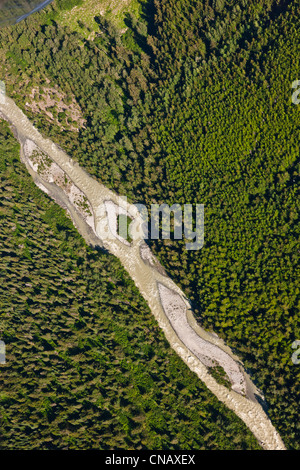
14	11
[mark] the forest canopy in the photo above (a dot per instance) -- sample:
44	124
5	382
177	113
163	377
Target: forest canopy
190	102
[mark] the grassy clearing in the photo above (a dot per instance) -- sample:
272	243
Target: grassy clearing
82	18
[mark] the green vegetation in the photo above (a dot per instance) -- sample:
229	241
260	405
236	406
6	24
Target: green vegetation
87	365
123	223
193	105
42	160
68	5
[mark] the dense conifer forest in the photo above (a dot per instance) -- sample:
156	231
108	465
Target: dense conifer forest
190	102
